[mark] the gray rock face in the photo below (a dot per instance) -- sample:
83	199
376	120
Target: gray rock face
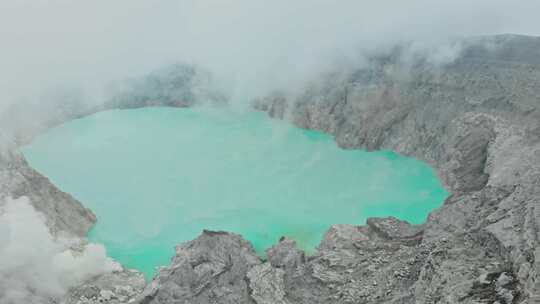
63	214
285	254
476	120
393	228
267	284
217	267
209	269
113	288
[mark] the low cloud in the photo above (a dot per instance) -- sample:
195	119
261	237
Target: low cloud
253	46
34	266
69	52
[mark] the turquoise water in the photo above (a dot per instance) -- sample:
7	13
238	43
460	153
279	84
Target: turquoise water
156	177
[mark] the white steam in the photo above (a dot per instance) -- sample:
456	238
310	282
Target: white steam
33	265
54	50
254	45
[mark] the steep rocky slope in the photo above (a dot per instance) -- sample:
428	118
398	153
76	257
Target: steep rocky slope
477	120
63	214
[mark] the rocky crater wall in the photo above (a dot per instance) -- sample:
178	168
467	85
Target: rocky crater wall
477	120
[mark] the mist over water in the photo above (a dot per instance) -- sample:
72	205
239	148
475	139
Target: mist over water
156	177
82	47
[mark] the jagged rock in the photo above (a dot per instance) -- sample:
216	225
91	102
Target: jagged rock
342	236
113	288
285	254
476	120
468	150
267	284
209	269
393	228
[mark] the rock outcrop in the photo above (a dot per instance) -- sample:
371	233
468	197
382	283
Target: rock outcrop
114	288
63	214
476	120
354	264
210	269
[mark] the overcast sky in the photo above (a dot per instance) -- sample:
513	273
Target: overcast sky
68	43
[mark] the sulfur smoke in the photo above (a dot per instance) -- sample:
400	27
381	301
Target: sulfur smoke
56	55
34	266
81	47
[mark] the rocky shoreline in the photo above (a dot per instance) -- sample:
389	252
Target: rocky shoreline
476	120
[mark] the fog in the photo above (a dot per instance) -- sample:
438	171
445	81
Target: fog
47	46
79	50
33	265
